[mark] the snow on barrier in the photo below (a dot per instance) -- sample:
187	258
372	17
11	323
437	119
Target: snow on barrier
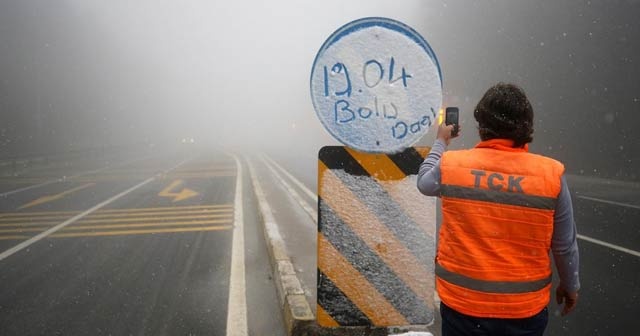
376	240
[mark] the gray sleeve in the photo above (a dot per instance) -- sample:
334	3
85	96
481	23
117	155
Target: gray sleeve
429	173
564	244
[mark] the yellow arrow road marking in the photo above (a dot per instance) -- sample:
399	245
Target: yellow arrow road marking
46	199
177	196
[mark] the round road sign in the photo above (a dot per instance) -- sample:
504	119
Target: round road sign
376	85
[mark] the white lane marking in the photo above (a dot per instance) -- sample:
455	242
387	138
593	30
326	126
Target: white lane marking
269	220
237	306
62	179
609	245
307	208
75	218
304	188
610	202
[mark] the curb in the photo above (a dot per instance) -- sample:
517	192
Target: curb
298	317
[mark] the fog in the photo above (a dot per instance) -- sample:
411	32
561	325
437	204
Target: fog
82	73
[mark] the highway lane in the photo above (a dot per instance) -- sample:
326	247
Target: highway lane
155	261
609	295
606	210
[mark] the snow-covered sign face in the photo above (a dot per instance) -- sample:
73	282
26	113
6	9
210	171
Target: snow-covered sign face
376	85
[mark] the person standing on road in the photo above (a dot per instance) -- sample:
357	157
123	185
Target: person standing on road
503	209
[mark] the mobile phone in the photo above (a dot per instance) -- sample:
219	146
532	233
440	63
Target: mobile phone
451	118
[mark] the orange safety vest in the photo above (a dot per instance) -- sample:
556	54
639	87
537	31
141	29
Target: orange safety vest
498	204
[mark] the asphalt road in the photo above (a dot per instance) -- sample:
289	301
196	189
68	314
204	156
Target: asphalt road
143	246
156	260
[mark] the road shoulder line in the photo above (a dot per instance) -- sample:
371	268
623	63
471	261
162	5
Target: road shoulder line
296	310
610	202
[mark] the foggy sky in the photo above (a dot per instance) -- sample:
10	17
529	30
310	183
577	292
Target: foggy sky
86	73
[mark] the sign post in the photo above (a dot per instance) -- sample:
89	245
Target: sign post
376	86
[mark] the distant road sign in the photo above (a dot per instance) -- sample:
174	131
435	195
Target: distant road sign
376	85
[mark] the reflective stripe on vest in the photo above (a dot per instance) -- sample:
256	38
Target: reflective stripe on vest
502	287
509	198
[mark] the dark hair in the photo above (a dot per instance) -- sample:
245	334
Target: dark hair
504	112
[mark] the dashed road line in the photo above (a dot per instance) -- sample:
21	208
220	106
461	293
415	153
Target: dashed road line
302	187
610	202
609	245
604	243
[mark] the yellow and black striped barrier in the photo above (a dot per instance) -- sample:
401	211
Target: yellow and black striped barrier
376	240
